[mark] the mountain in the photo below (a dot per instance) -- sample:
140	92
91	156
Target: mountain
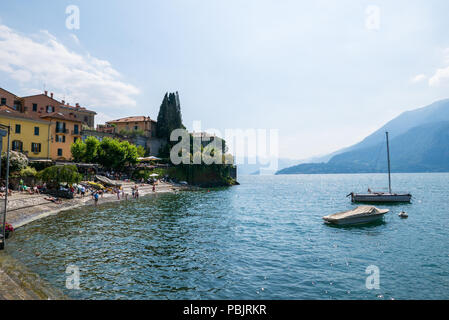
257	169
419	142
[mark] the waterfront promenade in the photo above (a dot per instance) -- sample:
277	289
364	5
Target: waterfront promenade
16	283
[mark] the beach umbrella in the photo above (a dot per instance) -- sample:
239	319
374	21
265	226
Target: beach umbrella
154	175
148	158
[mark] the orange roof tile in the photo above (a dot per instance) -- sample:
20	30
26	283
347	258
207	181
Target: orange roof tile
131	119
59	115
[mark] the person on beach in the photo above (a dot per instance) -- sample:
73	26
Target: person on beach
21	185
96	196
133	191
154	187
137	194
83	191
118	193
54	200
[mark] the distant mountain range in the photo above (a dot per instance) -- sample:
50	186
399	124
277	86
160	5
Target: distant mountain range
259	169
419	142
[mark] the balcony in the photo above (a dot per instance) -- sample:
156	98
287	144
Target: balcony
61	130
76	132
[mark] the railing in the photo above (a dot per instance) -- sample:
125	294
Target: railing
76	132
61	130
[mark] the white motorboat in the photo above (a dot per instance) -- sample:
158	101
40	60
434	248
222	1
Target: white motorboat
382	196
360	215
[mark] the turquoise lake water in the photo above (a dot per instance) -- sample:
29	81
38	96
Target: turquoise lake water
264	239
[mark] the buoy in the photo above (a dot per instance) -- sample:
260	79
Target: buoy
403	214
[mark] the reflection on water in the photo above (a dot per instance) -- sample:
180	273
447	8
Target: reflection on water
264	239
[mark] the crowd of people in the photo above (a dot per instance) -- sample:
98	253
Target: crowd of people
35	189
81	190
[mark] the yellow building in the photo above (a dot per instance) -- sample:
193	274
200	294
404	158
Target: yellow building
130	124
29	136
64	131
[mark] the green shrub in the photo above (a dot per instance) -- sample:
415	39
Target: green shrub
56	175
17	162
28	172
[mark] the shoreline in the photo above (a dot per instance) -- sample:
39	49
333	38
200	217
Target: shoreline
16	281
36	207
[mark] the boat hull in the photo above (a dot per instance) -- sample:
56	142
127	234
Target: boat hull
381	197
360	215
356	220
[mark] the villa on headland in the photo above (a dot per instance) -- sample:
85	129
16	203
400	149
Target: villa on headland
43	127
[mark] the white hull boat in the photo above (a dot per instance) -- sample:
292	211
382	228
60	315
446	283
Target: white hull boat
360	215
384	197
380	197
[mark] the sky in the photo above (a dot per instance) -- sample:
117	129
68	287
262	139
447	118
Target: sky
324	73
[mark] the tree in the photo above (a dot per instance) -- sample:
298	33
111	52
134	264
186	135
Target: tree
110	153
78	150
169	117
55	175
91	152
131	153
141	151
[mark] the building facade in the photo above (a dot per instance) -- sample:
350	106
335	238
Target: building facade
133	124
11	100
40	104
27	135
64	131
86	133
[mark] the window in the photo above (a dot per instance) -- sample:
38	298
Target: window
74	139
60	127
3	101
86	118
17	128
59	152
17	145
36	131
50	109
34	107
35	147
75	129
60	138
136	128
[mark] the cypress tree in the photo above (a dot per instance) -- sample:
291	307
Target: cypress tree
169	117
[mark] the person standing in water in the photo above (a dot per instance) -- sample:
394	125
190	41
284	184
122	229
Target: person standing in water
96	196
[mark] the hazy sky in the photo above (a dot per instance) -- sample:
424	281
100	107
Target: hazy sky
325	73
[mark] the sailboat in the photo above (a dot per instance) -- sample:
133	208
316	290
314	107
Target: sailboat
382	196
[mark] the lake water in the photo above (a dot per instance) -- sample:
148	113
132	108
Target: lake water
264	239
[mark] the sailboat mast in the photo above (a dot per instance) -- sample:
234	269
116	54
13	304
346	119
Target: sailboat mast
389	169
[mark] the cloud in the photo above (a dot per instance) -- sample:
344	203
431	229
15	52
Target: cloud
418	78
41	59
441	76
